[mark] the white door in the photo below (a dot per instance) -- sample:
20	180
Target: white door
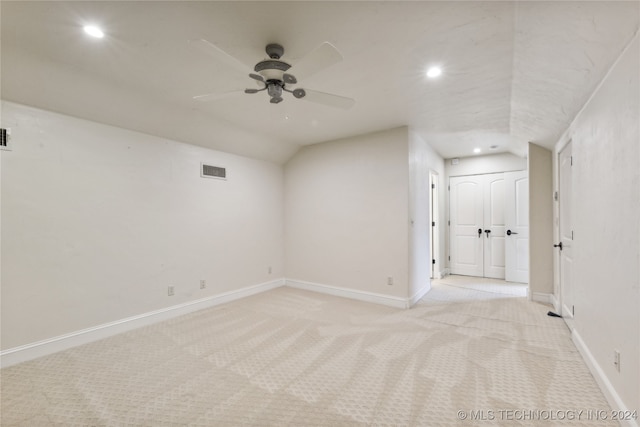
435	223
494	225
477	225
467	213
517	223
565	161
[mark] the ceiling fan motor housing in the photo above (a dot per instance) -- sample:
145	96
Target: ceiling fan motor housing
272	69
274	50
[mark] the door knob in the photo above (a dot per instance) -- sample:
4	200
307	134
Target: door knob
559	245
509	232
487	231
479	232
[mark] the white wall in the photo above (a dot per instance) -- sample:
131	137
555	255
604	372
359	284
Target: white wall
346	213
491	163
606	202
540	220
422	160
98	221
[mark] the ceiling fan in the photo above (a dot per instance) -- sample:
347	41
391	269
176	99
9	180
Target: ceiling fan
276	77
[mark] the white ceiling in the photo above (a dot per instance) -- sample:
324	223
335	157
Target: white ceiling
513	71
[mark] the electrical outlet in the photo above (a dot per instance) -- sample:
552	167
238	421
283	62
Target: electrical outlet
170	291
203	284
390	281
616	359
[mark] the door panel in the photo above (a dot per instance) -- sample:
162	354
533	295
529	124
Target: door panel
517	221
494	221
466	218
435	222
566	231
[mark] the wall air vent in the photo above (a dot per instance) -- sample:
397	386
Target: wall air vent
5	136
209	171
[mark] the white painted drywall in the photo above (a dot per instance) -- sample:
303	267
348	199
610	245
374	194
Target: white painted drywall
491	163
606	200
422	160
98	221
540	220
346	213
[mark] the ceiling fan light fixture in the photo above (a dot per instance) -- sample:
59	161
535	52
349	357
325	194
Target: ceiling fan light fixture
272	76
274	90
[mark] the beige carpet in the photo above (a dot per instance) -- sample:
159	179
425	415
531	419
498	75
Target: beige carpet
292	357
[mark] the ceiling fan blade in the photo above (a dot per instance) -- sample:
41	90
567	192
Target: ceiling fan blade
321	57
289	79
255	90
328	99
257	77
220	55
218	95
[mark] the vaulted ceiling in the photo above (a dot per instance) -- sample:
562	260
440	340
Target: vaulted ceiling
513	72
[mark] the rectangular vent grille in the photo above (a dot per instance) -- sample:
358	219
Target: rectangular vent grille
209	171
5	134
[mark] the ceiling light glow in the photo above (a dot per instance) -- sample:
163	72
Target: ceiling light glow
434	72
93	31
477	150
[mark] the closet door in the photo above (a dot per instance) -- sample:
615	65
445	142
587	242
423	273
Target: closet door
517	221
477	205
467	227
494	225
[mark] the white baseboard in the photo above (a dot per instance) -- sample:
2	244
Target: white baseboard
555	302
541	297
605	385
418	295
376	298
32	351
567	313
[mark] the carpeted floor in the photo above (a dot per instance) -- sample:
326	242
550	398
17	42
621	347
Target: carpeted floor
292	357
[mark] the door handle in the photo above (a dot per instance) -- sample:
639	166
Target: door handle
487	231
479	232
559	245
509	232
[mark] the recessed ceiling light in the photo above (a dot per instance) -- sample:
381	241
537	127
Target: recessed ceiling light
434	72
93	31
477	150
